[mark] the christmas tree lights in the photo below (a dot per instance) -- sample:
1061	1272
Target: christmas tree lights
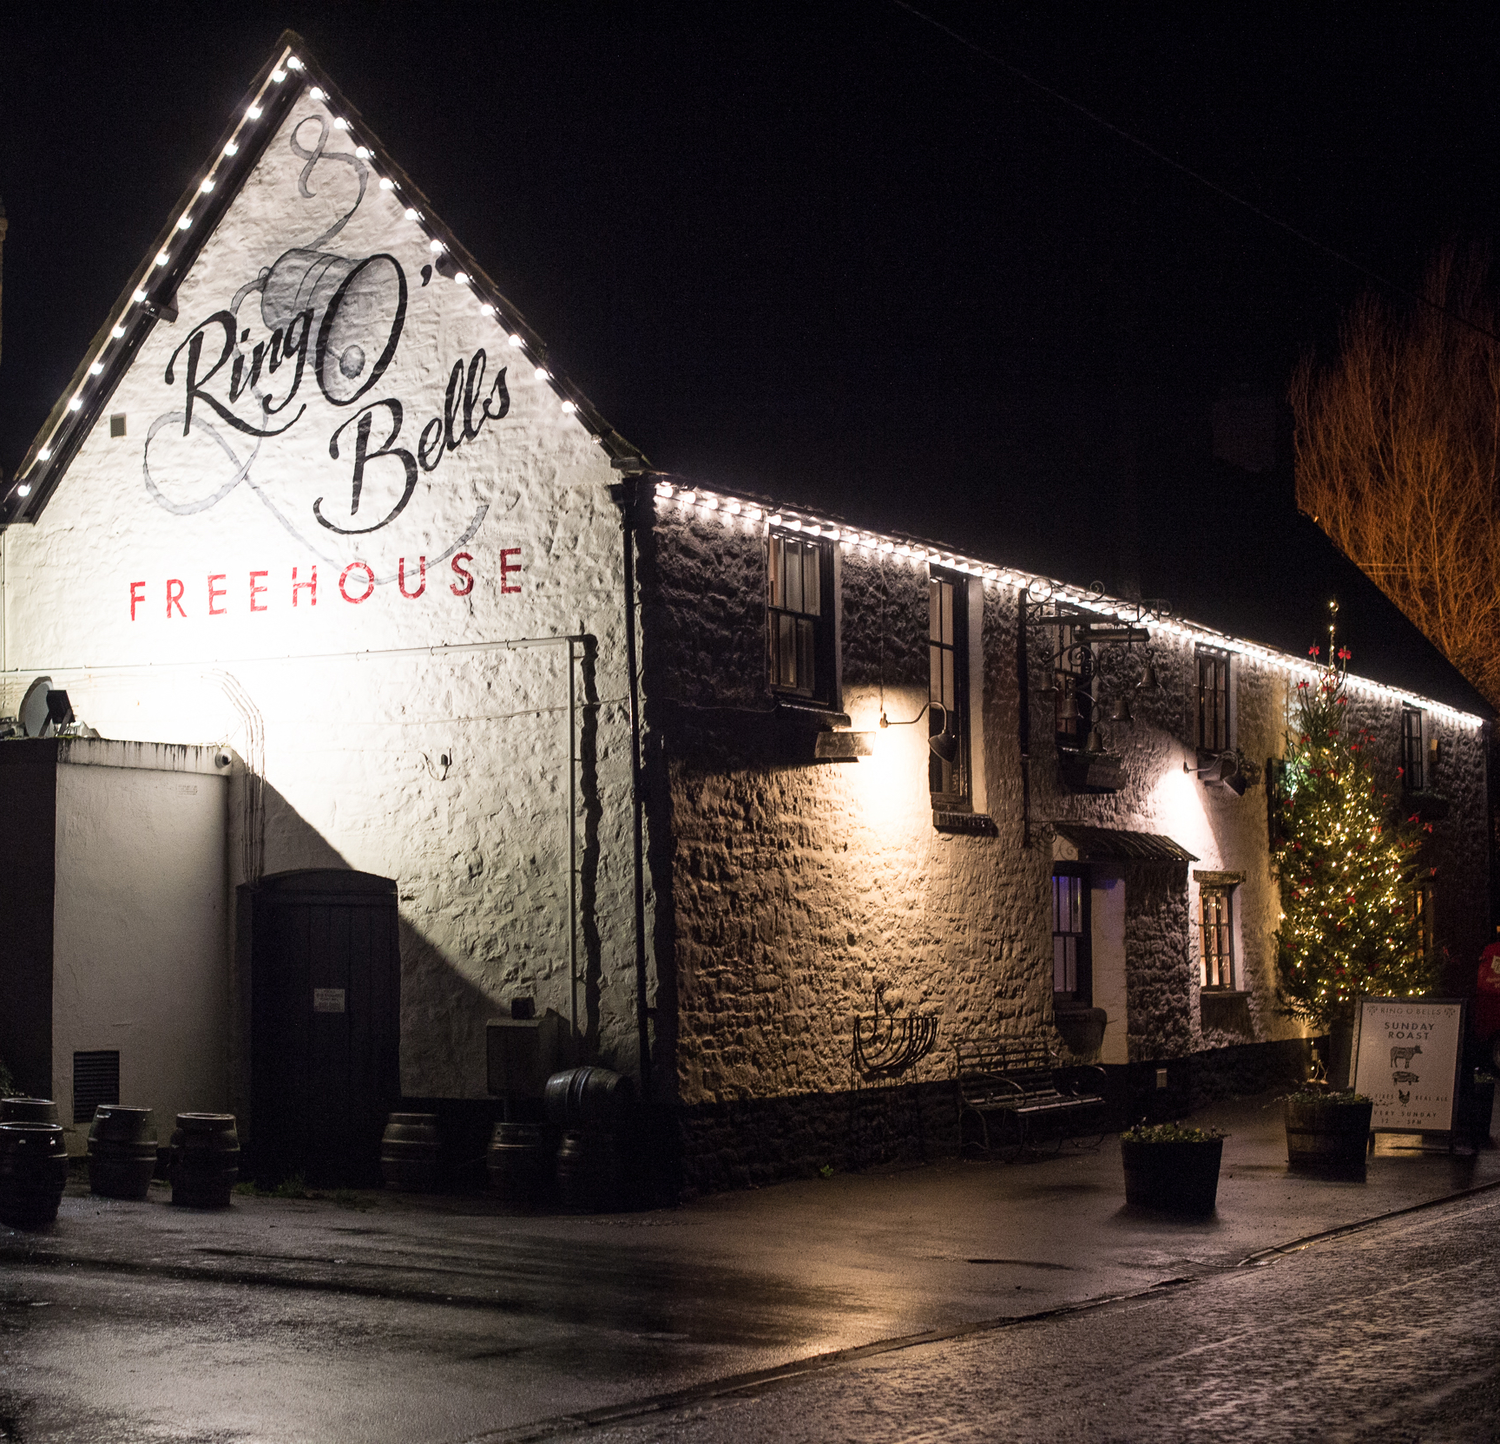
1347	863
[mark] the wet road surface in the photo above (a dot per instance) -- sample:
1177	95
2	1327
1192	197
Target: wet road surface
419	1320
1388	1334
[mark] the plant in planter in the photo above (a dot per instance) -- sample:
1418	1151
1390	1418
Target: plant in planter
1171	1167
1327	1132
1347	869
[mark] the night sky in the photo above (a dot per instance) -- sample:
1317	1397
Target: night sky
829	253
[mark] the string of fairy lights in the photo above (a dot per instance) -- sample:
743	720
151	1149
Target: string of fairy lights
727	507
438	244
730	509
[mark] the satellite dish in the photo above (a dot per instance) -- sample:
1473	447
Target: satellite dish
33	714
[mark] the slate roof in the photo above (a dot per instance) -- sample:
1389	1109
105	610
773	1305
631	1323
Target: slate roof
1112	844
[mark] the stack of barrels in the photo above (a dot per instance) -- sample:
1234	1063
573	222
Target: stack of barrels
595	1109
204	1160
122	1151
33	1162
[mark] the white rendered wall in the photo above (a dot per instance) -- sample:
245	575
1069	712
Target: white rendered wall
166	587
140	942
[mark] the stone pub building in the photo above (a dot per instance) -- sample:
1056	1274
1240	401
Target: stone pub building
419	695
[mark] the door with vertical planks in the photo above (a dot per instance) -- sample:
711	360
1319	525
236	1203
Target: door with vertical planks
325	977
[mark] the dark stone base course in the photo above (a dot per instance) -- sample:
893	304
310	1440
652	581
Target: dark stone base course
757	1141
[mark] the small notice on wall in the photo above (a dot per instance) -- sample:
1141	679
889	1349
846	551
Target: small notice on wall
1406	1062
328	1000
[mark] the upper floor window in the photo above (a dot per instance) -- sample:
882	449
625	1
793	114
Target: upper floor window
1413	775
1213	700
948	688
1216	933
801	617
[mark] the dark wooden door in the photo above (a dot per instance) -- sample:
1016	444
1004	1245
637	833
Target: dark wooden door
325	1024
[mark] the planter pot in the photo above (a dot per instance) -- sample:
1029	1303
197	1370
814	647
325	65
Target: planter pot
1177	1177
1327	1138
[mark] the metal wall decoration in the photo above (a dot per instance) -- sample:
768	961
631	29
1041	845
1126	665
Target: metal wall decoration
890	1047
1091	630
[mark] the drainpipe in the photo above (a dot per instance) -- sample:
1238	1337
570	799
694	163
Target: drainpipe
626	494
1023	687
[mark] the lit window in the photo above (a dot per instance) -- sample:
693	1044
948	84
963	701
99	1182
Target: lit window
948	689
1421	911
801	616
1217	937
1213	700
1413	775
1072	975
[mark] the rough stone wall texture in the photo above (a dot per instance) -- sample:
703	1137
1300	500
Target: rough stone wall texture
799	886
165	587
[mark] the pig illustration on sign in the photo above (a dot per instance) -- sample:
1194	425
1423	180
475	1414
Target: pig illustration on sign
1405	1078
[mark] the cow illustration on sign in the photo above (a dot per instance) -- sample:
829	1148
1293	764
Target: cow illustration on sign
1400	1055
334	322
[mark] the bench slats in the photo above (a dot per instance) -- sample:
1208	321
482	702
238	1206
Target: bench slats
1021	1079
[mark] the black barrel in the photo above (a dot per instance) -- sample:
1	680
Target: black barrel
590	1175
205	1160
518	1162
33	1173
122	1151
409	1151
589	1098
28	1110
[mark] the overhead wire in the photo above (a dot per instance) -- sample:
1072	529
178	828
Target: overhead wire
1197	176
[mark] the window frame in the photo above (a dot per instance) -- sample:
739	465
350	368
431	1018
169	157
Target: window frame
1220	738
958	794
821	652
1413	759
1421	907
1081	995
1222	966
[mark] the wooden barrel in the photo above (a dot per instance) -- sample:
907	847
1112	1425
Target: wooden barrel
28	1110
205	1160
33	1173
122	1151
517	1161
1327	1137
589	1098
590	1178
409	1152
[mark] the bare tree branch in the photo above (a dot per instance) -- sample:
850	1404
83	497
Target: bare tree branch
1398	457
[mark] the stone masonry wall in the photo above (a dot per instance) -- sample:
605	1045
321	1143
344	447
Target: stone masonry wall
799	886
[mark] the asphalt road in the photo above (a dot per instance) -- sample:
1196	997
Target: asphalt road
1388	1333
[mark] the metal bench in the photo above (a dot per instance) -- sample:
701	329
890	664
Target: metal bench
1019	1085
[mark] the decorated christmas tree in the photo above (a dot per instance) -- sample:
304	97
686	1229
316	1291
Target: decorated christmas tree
1347	862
